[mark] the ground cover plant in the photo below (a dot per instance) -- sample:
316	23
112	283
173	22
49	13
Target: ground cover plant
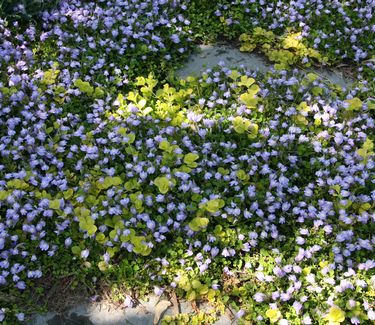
252	192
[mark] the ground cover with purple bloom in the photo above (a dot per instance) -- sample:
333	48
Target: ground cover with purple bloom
341	30
252	192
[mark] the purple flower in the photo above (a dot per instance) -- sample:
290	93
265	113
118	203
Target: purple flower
260	297
214	251
43	245
20	317
240	313
21	285
85	253
158	291
175	39
297	307
68	242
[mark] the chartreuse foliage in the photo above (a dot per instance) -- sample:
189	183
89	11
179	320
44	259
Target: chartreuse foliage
89	90
285	50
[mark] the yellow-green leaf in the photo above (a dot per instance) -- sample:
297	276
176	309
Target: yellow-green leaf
76	250
3	195
196	284
100	238
102	266
91	229
68	194
240	124
214	205
162	184
165	145
234	75
190	159
355	104
241	174
17	184
54	204
198	223
246	81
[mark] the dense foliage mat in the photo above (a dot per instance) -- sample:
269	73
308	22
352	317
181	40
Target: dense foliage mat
252	192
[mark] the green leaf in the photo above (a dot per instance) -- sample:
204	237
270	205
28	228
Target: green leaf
234	75
68	194
84	87
355	104
366	151
100	238
198	223
317	91
124	238
241	174
211	294
49	76
120	224
82	212
253	131
223	171
364	207
337	188
162	183
99	92
196	284
17	184
240	124
300	120
203	289
116	181
141	81
247	47
190	159
131	184
249	98
113	234
139	246
312	76
368	145
214	205
145	250
246	81
165	145
147	111
92	200
3	195
142	103
54	204
122	131
371	104
131	138
191	295
87	223
76	250
102	266
362	152
91	229
110	181
112	251
132	97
